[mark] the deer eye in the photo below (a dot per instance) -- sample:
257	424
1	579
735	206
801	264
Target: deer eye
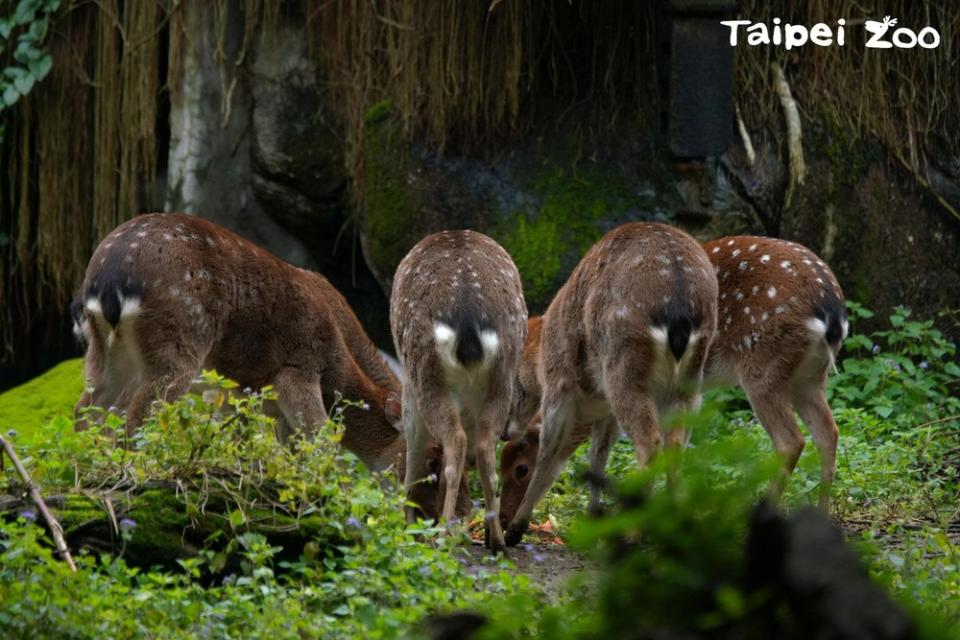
522	470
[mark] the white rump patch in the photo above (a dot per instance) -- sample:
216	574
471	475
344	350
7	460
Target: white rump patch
129	307
490	343
659	334
93	306
817	327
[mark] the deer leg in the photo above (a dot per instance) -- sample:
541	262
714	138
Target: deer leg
815	412
165	385
415	434
489	427
557	444
773	410
605	434
443	423
301	400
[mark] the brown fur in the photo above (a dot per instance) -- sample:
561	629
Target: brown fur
782	370
458	320
607	354
771	291
209	299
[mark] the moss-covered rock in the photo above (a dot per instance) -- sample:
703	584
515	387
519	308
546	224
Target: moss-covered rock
546	198
30	406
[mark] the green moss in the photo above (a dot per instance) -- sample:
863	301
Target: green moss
547	243
30	406
391	213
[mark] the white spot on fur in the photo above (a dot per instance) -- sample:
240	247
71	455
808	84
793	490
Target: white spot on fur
786	264
752	247
735	253
716	250
93	306
772	292
743	265
764	258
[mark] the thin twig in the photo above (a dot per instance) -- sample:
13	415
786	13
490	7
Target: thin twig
938	421
52	523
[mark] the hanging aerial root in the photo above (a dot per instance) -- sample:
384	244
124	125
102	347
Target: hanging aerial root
791	115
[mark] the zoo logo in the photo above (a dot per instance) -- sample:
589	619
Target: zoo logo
820	34
928	37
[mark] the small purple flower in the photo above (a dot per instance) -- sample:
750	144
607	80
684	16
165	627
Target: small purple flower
924	365
353	522
11	433
425	570
537	557
29	514
128	523
229	579
876	349
527	547
247	391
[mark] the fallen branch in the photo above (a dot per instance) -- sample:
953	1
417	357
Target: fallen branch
791	115
54	526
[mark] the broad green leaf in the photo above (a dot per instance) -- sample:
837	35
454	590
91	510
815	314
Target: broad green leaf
24	84
10	96
41	67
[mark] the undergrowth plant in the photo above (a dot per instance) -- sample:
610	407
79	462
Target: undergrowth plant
362	571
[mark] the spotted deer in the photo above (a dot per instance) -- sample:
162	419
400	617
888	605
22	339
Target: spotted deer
780	325
781	322
166	295
623	343
458	320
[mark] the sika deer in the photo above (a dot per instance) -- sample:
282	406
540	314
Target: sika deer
166	295
781	323
624	341
459	320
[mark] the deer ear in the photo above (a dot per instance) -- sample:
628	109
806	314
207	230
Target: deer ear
394	411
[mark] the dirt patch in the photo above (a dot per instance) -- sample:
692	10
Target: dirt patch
547	564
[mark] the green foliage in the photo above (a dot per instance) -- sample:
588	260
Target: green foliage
22	32
362	573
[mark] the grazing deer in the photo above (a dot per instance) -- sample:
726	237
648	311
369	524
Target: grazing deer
624	341
166	295
458	320
781	323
